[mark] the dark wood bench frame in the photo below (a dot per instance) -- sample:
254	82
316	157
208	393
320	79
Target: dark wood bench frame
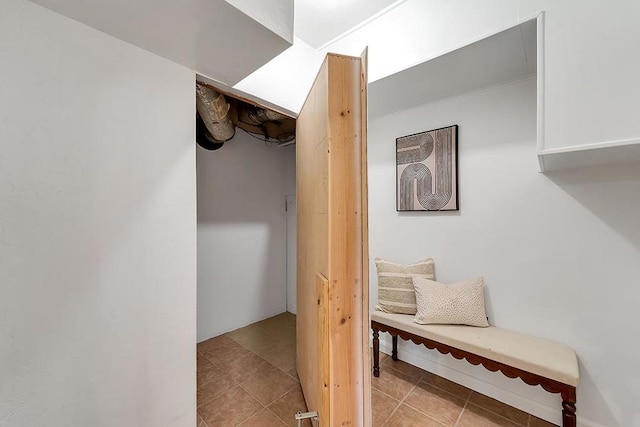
568	392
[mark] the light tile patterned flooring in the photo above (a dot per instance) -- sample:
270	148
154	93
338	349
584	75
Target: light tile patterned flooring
248	378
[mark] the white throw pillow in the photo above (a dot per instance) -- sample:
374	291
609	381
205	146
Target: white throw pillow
460	303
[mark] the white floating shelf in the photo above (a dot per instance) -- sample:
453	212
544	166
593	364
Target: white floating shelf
608	153
575	156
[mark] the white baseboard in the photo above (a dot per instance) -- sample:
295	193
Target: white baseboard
527	402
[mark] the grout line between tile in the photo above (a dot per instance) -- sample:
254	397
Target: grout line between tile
279	397
254	412
388	395
252	396
199	404
416	409
276	415
400	404
498	415
426	415
384	423
209	360
495	413
277	367
403	373
435	386
282	395
394	409
464	408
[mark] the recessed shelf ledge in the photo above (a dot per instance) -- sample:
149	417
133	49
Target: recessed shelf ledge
507	55
504	56
597	154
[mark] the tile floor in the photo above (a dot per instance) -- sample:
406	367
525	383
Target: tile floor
247	378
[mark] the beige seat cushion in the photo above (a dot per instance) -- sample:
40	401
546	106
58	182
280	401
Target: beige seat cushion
538	356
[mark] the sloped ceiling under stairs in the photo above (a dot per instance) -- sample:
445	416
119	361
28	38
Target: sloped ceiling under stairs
223	40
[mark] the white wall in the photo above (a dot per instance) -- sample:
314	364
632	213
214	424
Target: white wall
560	253
241	234
292	212
290	170
97	228
591	68
591	84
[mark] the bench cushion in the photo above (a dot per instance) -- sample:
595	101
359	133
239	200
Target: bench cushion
538	356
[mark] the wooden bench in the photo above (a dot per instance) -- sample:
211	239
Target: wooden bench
535	361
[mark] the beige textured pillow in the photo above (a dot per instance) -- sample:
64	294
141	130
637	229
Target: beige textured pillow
460	303
395	285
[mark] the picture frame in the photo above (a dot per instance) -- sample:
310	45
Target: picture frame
427	171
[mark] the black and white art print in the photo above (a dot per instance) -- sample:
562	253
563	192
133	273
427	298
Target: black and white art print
427	171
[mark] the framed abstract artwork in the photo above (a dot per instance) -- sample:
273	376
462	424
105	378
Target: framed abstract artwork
427	171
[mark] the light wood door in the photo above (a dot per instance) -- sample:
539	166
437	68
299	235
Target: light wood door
332	257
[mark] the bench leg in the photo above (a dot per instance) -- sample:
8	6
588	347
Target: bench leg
376	353
394	353
569	409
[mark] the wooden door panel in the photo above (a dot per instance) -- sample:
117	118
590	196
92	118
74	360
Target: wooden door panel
366	321
332	332
312	234
322	292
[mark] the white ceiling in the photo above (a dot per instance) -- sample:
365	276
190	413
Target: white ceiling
409	33
221	39
277	15
319	21
246	45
